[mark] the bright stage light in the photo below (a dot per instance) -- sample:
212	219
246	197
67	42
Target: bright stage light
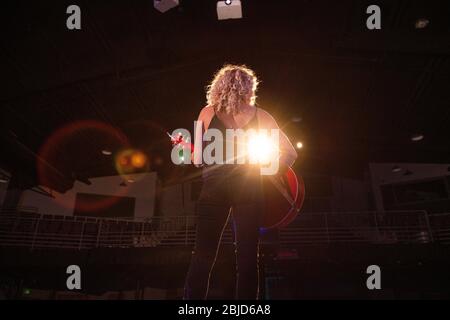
299	145
261	149
229	10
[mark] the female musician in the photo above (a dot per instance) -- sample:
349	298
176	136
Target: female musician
234	188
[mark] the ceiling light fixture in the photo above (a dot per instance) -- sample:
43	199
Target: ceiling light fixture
106	152
396	169
229	9
422	23
165	5
417	137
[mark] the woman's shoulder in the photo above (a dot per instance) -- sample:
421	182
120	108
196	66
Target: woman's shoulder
261	112
206	115
206	112
264	116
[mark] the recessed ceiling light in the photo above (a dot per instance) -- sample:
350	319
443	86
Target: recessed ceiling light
422	23
299	145
130	180
106	152
417	137
396	169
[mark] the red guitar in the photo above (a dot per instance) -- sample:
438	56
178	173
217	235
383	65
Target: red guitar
284	197
284	194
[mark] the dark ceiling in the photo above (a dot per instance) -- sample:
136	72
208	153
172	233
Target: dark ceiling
359	94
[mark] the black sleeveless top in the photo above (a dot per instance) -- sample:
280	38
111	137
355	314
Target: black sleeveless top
228	169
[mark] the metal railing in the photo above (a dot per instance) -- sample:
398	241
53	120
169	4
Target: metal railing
358	227
440	225
58	231
33	230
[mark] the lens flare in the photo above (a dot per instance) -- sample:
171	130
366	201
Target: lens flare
261	149
138	159
131	161
59	142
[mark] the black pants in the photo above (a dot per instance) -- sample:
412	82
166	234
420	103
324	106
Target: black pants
220	193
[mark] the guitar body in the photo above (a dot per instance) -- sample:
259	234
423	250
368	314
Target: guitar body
283	199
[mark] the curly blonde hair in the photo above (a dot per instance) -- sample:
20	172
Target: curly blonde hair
232	87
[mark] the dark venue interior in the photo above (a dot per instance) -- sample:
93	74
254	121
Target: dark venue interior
87	178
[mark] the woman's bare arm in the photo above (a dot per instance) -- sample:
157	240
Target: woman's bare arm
203	121
288	154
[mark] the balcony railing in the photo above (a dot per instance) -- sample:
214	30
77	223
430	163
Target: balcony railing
29	229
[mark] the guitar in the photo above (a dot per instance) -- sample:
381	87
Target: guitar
284	194
283	197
